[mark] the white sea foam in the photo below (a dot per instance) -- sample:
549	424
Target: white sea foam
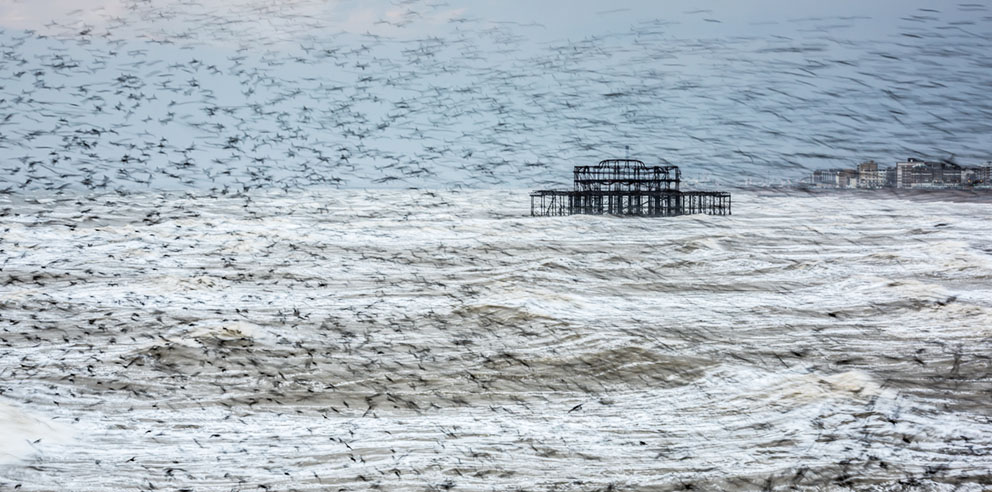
26	434
468	345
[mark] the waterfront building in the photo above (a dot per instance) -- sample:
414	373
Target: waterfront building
911	173
977	175
904	172
890	177
835	178
869	175
915	173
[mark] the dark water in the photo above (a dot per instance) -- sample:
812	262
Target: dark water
440	340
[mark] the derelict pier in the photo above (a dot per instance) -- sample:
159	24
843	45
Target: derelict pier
628	187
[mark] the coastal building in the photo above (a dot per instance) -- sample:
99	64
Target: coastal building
835	178
869	176
915	173
908	174
890	177
824	178
904	172
977	175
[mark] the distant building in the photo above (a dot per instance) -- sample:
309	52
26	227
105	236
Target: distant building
977	176
869	176
921	174
835	178
911	173
824	178
848	178
890	177
945	174
904	172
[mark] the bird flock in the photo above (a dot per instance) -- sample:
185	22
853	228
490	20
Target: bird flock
250	246
411	340
187	95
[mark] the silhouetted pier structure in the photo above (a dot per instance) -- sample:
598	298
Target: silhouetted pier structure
628	187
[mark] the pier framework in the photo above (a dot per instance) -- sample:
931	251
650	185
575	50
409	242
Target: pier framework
631	188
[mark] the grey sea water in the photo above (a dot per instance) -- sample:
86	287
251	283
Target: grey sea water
415	340
103	95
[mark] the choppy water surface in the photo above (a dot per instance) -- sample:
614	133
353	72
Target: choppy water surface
102	95
414	340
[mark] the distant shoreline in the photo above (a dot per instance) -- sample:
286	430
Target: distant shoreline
979	195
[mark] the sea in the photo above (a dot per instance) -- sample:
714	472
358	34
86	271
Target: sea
327	339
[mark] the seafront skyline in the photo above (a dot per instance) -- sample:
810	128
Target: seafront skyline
911	173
